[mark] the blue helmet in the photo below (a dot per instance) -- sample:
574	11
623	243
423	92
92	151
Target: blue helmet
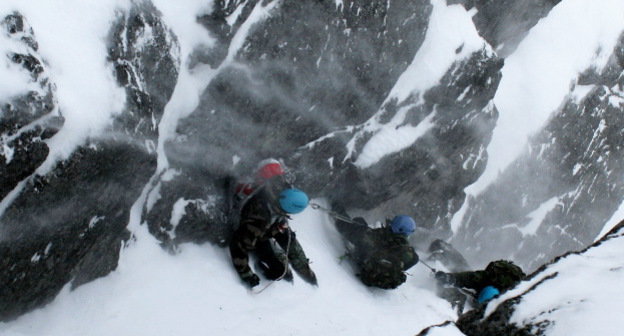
487	294
403	224
293	200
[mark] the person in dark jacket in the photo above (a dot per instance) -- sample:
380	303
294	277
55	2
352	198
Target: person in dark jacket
381	255
498	277
264	231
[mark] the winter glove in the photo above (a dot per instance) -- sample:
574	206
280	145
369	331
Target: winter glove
250	279
445	278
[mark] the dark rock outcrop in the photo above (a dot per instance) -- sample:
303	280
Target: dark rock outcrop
144	53
69	224
427	178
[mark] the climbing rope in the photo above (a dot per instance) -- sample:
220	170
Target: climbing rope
333	214
286	265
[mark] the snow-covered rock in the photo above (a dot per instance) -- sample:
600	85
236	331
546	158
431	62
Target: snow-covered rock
571	295
28	116
65	218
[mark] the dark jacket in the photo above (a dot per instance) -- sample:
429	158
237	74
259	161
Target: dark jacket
260	221
381	256
501	274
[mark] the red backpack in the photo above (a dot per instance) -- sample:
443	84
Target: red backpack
244	189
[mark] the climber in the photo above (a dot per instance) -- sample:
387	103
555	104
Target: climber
498	277
264	231
382	255
444	253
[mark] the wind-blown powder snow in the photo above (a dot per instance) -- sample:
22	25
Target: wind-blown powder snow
181	17
193	82
539	74
197	292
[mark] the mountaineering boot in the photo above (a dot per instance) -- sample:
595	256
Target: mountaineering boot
308	275
300	263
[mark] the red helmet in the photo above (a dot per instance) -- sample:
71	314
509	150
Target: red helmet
269	168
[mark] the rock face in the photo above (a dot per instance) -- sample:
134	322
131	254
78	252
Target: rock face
309	92
505	23
69	224
29	118
565	186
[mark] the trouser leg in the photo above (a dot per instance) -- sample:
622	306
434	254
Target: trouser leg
271	265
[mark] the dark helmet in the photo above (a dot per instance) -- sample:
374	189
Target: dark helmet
293	200
403	224
487	294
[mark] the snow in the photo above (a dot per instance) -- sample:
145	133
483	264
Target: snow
258	14
197	292
232	18
15	79
446	330
6	151
580	92
582	298
538	75
180	16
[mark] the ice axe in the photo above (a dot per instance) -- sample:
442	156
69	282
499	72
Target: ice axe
429	267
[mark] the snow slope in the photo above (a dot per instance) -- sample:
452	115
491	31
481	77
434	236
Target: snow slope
197	292
584	298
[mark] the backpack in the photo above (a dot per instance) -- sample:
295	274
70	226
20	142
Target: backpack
384	267
504	274
242	190
238	195
380	271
